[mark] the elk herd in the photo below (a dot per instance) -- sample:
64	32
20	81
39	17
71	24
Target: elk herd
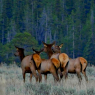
58	64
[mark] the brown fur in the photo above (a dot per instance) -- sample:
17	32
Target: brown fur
76	65
62	57
83	62
56	62
47	49
27	65
37	60
47	66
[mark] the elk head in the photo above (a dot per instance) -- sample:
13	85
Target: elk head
56	48
48	48
19	51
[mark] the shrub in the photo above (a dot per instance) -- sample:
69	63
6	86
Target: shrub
39	89
90	91
90	70
57	91
82	92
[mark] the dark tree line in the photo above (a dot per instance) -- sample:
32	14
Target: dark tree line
27	23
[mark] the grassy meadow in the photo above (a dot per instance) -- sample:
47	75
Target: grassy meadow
11	83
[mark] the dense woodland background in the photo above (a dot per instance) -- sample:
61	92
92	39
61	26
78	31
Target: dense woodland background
26	23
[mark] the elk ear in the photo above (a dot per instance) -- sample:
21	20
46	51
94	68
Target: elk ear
34	50
16	47
60	46
41	50
53	43
45	45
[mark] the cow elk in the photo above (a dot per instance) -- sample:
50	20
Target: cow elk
48	66
76	65
27	64
62	57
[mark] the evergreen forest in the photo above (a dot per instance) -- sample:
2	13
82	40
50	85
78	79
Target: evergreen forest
26	23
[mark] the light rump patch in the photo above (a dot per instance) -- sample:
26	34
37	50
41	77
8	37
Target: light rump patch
83	62
55	62
63	59
37	60
46	67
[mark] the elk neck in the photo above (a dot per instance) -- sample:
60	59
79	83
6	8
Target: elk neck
50	54
22	56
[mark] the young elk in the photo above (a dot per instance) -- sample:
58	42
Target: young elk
76	65
62	57
27	65
48	66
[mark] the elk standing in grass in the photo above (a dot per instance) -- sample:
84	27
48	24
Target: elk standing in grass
27	65
48	66
62	57
76	65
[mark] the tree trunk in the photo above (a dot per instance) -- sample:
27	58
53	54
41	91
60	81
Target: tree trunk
92	25
73	43
3	32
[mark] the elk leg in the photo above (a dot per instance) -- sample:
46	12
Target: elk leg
65	72
45	75
34	72
60	73
55	78
66	75
23	76
35	75
40	76
79	76
84	73
30	76
55	75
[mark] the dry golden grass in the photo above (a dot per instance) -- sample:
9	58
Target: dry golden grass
11	83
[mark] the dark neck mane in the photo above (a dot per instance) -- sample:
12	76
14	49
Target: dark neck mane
50	54
22	56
